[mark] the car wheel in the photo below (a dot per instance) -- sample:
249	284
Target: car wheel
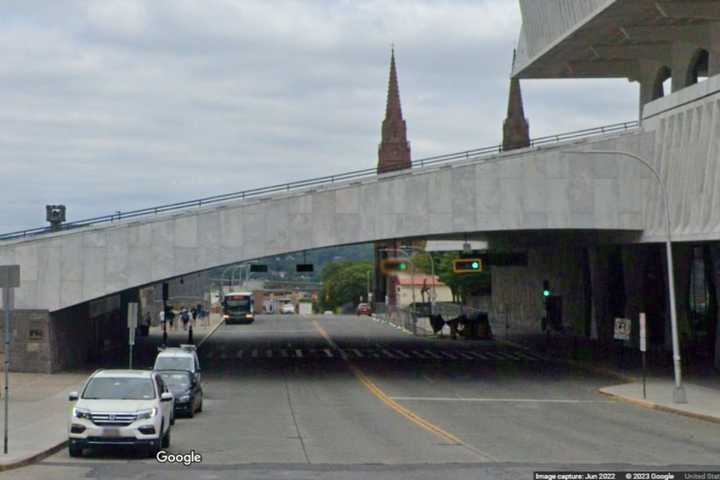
191	412
200	406
153	449
166	439
172	418
75	450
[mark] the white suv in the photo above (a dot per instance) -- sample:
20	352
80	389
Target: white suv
121	407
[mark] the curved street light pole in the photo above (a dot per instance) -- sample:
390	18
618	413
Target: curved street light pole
679	395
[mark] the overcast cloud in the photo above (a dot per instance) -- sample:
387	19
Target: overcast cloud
118	104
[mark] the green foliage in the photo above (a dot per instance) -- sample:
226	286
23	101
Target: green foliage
461	285
343	282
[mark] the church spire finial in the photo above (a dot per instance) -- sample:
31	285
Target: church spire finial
394	151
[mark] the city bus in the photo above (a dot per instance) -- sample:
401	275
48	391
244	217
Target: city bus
238	307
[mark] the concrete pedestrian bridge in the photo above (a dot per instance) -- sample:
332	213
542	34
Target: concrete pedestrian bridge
533	189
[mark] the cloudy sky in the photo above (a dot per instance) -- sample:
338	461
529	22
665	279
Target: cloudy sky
118	104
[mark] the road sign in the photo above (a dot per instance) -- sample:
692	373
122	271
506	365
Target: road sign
467	265
132	319
623	327
643	333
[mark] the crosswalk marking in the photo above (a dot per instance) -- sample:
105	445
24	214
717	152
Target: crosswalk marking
379	352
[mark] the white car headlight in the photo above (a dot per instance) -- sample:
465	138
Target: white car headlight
80	413
144	414
184	398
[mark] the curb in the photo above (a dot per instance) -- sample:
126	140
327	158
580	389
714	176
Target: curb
220	323
661	408
34	458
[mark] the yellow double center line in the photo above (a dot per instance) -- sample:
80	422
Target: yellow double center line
383	397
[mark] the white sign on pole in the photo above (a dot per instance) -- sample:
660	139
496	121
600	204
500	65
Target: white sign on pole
643	333
622	329
132	320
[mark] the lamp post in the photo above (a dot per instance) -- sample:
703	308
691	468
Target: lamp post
679	395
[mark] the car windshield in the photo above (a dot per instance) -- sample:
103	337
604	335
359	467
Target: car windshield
174	363
177	380
119	388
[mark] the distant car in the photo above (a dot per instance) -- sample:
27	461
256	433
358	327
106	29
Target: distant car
363	309
328	312
187	391
183	358
121	407
287	308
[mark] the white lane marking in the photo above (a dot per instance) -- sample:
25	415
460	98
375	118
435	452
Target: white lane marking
432	354
496	400
478	355
298	353
328	353
448	355
465	355
388	354
528	356
493	355
418	354
402	354
239	354
357	352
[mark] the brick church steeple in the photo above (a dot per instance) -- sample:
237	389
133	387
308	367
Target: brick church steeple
516	131
394	150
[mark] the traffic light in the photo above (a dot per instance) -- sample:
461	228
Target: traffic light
467	265
546	289
394	265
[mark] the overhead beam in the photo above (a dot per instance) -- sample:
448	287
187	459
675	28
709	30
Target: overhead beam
672	33
657	52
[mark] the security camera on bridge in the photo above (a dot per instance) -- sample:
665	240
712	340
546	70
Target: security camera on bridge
55	214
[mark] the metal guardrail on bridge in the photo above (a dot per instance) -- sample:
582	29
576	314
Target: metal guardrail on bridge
314	182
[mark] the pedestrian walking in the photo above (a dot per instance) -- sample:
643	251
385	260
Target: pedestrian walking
161	318
184	317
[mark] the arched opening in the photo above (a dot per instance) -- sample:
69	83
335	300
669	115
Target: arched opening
663	82
699	67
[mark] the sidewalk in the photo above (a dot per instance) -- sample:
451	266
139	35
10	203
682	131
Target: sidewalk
38	412
39	407
703	403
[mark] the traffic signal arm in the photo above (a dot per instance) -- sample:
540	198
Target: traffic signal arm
394	265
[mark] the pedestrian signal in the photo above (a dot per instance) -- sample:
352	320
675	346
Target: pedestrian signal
467	265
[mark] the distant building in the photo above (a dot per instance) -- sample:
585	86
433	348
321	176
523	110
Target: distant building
422	284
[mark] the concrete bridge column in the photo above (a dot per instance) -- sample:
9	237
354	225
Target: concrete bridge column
602	327
682	57
634	258
714	254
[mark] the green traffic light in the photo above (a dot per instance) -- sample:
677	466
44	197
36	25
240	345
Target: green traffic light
402	266
546	293
475	265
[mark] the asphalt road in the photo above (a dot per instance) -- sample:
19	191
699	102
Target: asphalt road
346	397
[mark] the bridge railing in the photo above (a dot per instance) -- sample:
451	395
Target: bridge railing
319	181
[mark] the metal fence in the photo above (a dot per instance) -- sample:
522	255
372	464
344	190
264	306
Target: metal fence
474	154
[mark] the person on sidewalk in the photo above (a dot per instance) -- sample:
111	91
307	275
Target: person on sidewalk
161	318
184	317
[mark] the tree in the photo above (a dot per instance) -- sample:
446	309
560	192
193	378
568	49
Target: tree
343	283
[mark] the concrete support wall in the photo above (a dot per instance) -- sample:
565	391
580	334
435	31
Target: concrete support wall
30	349
518	290
682	56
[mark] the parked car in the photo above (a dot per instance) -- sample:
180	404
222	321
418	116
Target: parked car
363	309
328	312
287	308
179	358
121	407
187	391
